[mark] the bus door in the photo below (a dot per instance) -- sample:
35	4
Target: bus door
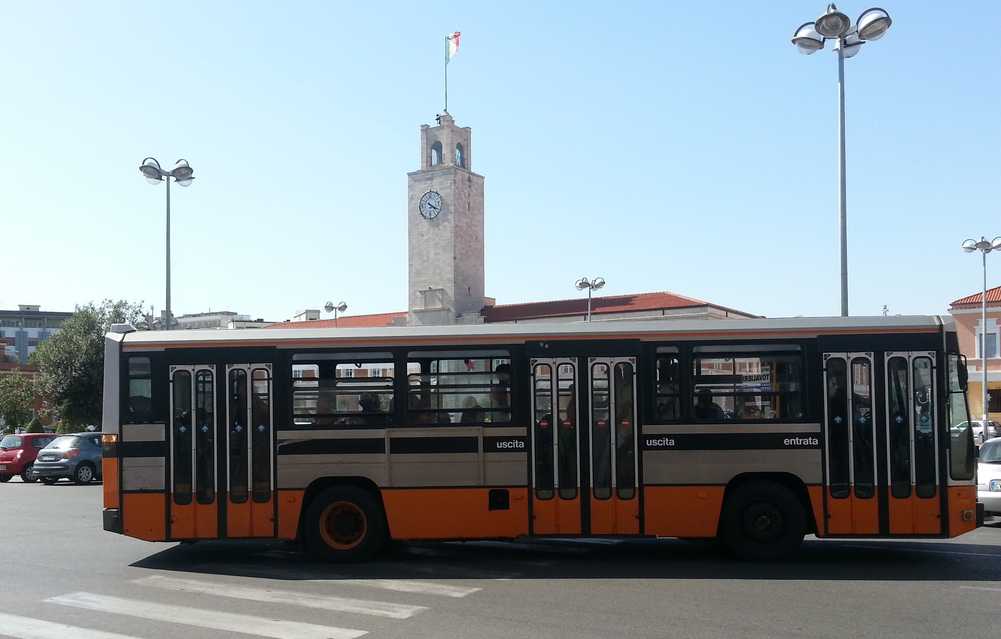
912	443
612	443
248	484
193	510
556	485
850	444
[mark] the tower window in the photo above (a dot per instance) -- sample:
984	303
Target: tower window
436	153
460	156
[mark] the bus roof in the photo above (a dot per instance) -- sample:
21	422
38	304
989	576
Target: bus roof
608	329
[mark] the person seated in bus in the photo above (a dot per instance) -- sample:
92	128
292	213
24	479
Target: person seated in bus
420	409
472	412
500	394
706	408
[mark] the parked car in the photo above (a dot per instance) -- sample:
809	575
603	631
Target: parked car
18	452
989	476
982	434
76	457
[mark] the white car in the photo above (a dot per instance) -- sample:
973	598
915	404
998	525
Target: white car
989	476
993	429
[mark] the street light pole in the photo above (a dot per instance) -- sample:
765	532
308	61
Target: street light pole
183	174
984	247
591	285
809	38
842	182
168	315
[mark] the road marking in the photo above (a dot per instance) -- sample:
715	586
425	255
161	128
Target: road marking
287	597
924	550
401	585
981	588
332	579
214	619
27	628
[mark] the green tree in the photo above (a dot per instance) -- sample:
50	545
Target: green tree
34	426
71	362
17	394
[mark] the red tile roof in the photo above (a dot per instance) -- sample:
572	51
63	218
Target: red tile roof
599	305
533	310
993	297
350	321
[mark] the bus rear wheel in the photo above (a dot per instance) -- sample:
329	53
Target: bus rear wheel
762	520
344	524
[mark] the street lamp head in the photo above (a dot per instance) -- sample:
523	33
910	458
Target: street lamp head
807	40
582	283
969	246
873	23
329	307
833	24
183	174
341	307
996	244
598	282
151	170
850	45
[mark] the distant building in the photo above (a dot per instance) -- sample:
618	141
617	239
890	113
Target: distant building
23	330
981	352
217	320
637	306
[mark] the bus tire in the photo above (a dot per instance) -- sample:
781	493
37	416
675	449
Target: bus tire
344	524
762	521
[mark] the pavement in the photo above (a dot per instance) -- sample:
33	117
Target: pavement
62	576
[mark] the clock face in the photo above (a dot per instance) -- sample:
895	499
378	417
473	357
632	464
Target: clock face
430	205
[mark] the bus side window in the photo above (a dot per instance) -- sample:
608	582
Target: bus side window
140	391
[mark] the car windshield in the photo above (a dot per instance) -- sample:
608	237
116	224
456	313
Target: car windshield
10	441
990	453
64	443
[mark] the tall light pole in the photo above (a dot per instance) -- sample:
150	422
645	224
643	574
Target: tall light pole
183	174
984	247
340	308
810	38
591	285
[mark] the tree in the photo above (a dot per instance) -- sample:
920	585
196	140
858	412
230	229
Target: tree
17	394
71	362
34	426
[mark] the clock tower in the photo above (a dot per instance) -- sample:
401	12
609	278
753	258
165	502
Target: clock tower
445	229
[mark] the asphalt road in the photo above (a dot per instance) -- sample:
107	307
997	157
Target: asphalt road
60	569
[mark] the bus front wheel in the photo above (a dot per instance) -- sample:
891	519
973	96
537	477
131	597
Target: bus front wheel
762	520
344	524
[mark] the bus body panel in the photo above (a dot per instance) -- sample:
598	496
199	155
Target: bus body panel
441	482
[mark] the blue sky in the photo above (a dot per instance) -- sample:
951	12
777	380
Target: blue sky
681	146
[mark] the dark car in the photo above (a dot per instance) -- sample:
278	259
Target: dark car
18	452
75	457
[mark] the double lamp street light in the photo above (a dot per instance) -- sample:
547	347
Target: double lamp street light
984	247
183	174
848	40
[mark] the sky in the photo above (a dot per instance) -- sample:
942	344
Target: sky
663	146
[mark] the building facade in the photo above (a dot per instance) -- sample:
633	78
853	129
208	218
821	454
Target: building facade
23	330
980	343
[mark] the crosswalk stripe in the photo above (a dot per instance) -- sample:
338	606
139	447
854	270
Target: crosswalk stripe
287	597
401	585
28	628
396	585
213	619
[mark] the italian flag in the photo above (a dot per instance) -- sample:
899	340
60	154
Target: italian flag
453	44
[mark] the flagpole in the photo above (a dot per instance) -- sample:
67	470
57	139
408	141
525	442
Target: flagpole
446	74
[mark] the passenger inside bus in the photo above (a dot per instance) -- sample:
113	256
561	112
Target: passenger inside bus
705	407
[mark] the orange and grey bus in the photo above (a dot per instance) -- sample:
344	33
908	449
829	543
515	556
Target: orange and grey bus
753	431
